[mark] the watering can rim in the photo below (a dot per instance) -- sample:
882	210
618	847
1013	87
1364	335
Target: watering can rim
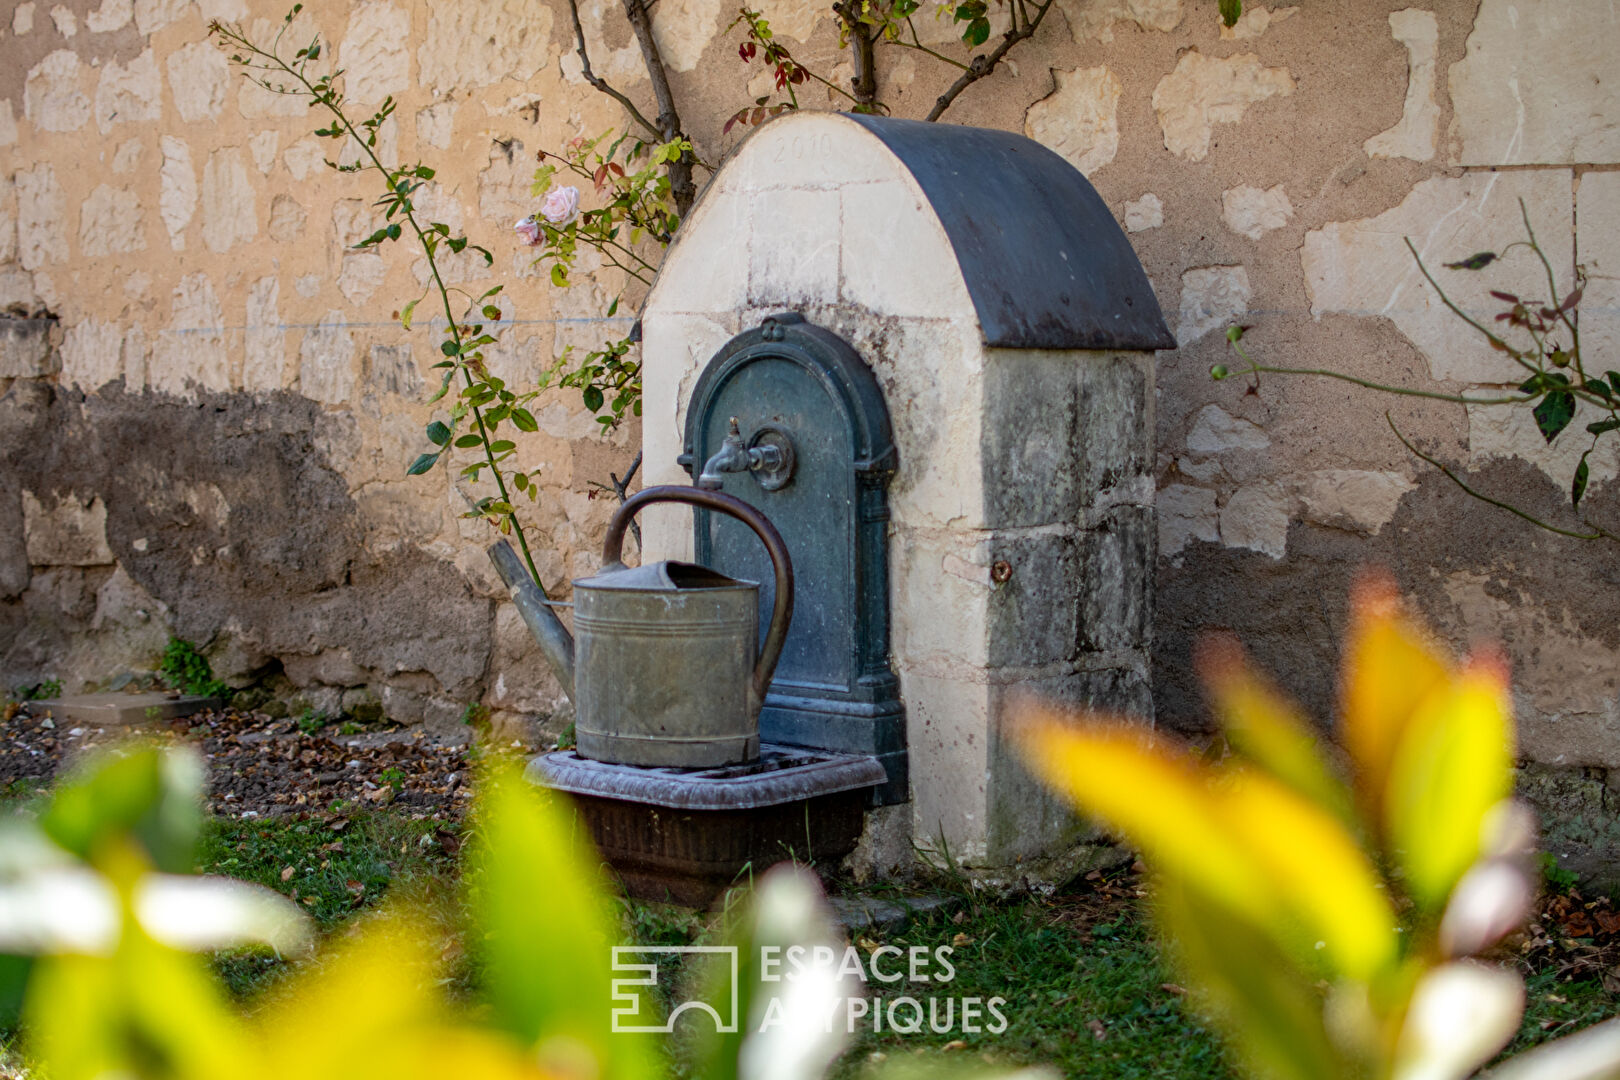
656	578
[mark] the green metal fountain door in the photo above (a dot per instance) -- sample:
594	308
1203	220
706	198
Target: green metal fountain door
788	418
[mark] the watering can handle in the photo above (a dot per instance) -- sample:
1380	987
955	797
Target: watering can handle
781	613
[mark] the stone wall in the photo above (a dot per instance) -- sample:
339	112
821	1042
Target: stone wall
209	431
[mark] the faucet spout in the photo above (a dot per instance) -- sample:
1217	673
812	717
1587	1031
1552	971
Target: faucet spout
733	456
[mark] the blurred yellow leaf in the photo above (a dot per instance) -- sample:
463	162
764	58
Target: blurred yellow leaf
1267	1005
1388	669
1451	768
1243	839
1265	727
145	1010
373	1007
1155	794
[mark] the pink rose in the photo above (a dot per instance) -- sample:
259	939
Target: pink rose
529	229
561	206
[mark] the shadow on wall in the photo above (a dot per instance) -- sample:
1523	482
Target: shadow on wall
227	515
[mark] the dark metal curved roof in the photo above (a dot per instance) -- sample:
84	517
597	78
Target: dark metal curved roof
1045	262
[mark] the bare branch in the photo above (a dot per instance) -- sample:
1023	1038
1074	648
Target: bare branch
986	63
601	83
681	186
1598	532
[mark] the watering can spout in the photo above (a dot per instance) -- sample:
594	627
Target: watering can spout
549	633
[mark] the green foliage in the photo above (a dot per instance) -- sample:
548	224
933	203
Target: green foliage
45	690
1554	877
310	721
184	668
476	716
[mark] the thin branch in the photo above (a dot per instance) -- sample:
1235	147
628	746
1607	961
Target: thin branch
985	64
916	43
601	83
681	186
1459	399
1598	532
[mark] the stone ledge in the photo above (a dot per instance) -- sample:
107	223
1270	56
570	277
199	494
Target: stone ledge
126	710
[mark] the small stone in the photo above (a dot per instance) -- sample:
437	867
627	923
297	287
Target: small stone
129	94
1216	431
1144	213
177	199
1255	20
66	532
435	124
263	148
41	218
1249	211
1204	91
229	216
286	219
110	16
468	46
1212	298
110	222
1186	513
52	99
326	361
1414	135
1096	18
373	54
199	78
1078	119
1256	518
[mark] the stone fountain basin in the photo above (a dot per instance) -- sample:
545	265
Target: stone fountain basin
686	835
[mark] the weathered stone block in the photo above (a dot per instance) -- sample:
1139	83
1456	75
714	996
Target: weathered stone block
1115	426
25	348
66	532
1204	91
1536	85
793	256
1364	267
932	573
1033	614
1030	438
1117	556
878	220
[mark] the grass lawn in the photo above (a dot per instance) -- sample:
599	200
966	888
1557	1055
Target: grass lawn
1084	986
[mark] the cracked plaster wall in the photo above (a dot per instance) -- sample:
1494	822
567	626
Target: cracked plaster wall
183	231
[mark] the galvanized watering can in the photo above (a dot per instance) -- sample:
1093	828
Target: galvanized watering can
664	671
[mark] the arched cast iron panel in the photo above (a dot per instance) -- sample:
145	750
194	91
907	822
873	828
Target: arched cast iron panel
834	688
1044	261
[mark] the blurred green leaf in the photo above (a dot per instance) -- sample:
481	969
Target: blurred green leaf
151	795
548	930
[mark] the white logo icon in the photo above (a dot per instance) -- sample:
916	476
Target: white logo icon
630	1004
